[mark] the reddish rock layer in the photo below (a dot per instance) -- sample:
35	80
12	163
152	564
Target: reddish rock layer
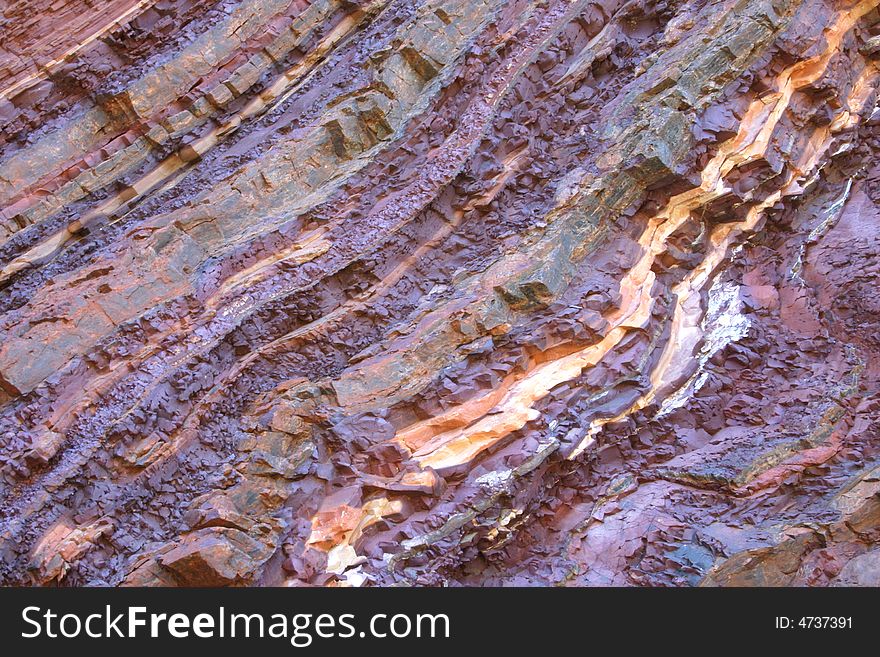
460	292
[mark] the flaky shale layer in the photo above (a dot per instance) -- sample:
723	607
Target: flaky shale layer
465	292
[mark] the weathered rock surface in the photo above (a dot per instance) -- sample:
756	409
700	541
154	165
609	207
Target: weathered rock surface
462	292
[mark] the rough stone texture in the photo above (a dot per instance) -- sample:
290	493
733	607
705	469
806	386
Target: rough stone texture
466	292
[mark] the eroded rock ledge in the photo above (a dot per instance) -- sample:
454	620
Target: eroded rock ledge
440	292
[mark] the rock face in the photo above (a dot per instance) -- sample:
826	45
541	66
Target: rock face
468	292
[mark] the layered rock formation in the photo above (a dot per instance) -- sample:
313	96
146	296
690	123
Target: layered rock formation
462	292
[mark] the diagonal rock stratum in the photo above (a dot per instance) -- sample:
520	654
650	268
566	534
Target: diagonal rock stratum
460	292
